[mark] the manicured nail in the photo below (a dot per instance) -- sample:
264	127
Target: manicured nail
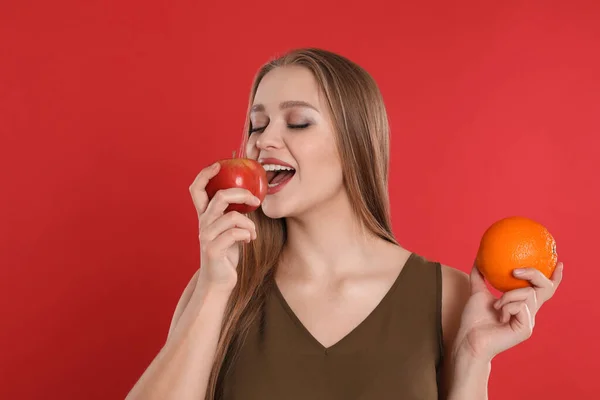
519	271
256	200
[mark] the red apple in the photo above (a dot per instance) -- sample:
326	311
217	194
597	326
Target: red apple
242	173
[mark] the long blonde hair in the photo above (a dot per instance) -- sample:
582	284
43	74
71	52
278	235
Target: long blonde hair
362	133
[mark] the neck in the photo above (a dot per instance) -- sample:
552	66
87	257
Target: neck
327	241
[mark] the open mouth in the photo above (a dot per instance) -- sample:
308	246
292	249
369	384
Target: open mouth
278	174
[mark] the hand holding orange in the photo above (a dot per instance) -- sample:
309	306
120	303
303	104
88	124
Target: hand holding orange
491	325
512	243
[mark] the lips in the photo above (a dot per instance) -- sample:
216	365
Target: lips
274	161
279	173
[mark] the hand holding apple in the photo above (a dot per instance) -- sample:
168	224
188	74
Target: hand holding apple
242	173
220	232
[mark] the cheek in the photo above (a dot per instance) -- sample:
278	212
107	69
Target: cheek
322	163
251	150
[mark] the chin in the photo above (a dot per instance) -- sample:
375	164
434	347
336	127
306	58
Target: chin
274	211
279	208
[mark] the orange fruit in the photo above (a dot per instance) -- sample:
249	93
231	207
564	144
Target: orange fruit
515	242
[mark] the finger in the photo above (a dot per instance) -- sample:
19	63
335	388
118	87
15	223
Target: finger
534	276
223	198
519	316
477	280
230	220
527	295
218	247
557	275
508	310
197	188
544	286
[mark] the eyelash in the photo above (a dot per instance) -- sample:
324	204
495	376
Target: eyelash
290	126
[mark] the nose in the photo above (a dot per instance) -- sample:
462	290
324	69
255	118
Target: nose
269	139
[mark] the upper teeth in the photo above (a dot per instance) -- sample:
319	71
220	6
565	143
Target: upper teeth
276	167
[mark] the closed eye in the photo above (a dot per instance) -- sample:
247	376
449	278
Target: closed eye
259	129
290	126
299	126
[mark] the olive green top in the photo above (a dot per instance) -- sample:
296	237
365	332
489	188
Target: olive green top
395	353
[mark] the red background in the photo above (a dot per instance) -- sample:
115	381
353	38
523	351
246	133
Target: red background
109	109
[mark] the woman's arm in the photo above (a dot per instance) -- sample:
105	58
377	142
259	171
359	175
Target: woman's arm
478	326
470	378
463	377
182	367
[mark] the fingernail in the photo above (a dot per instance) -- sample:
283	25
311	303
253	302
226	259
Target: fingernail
519	271
215	165
256	200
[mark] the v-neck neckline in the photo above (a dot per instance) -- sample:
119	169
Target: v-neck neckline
352	332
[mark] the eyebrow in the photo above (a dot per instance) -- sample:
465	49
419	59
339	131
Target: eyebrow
284	105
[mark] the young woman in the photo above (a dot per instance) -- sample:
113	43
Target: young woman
310	296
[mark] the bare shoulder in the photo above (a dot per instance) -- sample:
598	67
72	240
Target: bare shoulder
454	283
456	290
